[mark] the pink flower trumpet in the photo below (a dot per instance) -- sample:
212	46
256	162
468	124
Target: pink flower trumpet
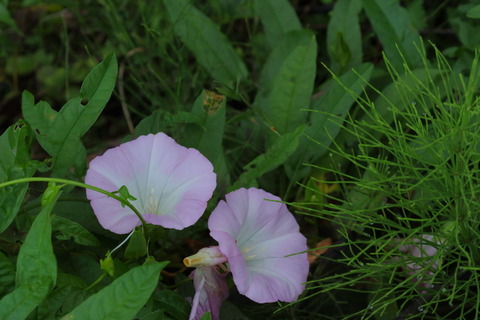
169	184
260	242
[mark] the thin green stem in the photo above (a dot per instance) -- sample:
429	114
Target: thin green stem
102	276
81	185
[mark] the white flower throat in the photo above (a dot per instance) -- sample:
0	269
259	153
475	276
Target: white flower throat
151	202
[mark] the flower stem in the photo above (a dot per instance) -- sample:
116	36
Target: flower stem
102	276
81	185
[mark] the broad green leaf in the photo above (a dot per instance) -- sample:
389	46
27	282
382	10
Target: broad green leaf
160	121
208	136
329	111
277	17
36	263
474	12
173	304
71	280
396	32
19	303
137	246
55	301
6	18
7	275
271	159
70	229
155	315
292	88
230	311
59	133
36	268
465	29
344	39
277	57
417	13
15	163
287	81
122	299
210	47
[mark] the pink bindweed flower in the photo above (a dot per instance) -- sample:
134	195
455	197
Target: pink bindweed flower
171	184
259	241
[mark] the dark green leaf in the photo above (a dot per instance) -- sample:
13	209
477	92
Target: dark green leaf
15	163
55	301
474	12
70	229
230	312
287	81
36	268
208	136
137	246
277	17
59	133
160	121
6	18
210	47
329	112
155	315
344	39
396	32
7	275
122	299
173	304
271	159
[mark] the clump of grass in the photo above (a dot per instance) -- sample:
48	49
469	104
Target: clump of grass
407	218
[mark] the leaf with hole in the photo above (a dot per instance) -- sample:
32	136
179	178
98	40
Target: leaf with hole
59	132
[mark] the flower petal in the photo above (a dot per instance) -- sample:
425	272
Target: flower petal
256	236
211	290
171	183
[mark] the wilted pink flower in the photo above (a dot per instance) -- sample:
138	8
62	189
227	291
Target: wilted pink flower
259	240
211	290
171	183
422	257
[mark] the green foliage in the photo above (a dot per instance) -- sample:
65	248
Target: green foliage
59	133
329	112
36	267
375	150
15	163
210	47
123	298
173	304
5	16
344	42
207	136
271	159
418	170
137	246
287	81
397	33
70	229
277	17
